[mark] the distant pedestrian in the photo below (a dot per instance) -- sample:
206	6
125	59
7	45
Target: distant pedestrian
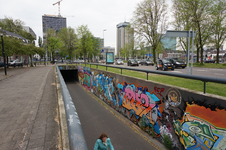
103	142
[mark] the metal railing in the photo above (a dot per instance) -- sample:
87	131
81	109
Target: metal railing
194	77
75	133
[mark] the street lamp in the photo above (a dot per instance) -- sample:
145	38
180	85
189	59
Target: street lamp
103	39
103	35
2	32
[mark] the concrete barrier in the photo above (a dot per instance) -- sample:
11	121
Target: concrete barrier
75	133
190	119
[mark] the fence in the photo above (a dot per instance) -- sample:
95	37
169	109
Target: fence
194	77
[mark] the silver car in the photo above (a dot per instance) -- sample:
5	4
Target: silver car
119	62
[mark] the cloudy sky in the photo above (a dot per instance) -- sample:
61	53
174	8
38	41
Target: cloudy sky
97	14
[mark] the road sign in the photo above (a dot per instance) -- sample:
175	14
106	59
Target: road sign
173	33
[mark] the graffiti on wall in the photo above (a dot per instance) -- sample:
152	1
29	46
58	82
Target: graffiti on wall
200	133
140	104
191	125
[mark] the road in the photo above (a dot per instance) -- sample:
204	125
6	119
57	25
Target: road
209	72
95	119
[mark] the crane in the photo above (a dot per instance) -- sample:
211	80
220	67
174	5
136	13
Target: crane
58	7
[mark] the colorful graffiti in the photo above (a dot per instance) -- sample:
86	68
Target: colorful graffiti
140	103
191	124
103	87
195	133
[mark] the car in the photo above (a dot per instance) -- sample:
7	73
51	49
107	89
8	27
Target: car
177	62
1	63
119	62
132	62
147	62
209	61
138	60
15	63
164	64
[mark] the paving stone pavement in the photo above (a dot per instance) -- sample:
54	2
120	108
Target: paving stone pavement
28	110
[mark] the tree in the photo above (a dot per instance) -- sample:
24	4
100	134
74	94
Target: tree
195	15
68	38
40	43
218	17
149	22
53	45
85	41
12	25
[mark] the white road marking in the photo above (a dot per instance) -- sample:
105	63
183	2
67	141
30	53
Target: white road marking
219	74
217	69
176	71
202	70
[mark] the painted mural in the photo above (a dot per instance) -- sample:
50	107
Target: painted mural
190	123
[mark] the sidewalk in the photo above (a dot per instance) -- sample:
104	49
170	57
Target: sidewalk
28	109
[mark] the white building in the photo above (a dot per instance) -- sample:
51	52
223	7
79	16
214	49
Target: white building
123	36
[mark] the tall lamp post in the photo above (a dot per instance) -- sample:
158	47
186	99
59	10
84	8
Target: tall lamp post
103	38
3	52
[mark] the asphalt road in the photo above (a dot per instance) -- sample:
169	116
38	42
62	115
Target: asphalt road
209	72
95	119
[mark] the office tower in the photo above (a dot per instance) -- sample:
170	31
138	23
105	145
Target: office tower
123	35
54	22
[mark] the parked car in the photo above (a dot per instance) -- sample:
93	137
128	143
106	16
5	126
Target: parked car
209	61
177	62
138	60
132	62
15	63
164	64
1	63
147	62
119	62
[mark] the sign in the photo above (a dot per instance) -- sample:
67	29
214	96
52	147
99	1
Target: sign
109	58
173	33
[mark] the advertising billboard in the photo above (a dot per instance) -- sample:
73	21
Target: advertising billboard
110	58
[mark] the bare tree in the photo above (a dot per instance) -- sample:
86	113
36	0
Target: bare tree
218	18
150	22
195	15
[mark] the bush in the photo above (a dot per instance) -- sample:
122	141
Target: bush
167	142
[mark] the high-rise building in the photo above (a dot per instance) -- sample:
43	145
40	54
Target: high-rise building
123	35
54	22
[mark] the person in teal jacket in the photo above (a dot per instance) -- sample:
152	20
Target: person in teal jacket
103	142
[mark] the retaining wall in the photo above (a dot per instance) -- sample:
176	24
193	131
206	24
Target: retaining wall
191	119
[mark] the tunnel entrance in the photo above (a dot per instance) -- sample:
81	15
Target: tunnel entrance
70	75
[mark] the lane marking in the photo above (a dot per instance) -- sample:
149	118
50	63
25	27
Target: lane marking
219	74
176	71
202	70
217	69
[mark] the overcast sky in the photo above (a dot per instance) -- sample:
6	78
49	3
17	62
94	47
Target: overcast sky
97	14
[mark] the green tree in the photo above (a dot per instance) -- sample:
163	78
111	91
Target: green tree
85	41
53	45
194	15
68	38
12	25
218	17
150	22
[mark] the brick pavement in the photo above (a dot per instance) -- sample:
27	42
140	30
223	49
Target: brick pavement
28	110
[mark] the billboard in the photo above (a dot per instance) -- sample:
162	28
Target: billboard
109	57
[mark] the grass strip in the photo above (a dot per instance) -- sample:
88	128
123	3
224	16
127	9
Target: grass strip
196	85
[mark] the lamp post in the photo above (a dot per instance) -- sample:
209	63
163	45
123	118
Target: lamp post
103	38
3	52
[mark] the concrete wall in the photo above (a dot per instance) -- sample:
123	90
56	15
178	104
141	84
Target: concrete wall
191	119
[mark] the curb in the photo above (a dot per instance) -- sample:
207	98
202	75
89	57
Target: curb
134	127
62	115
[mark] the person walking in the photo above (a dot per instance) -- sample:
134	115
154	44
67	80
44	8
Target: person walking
103	142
